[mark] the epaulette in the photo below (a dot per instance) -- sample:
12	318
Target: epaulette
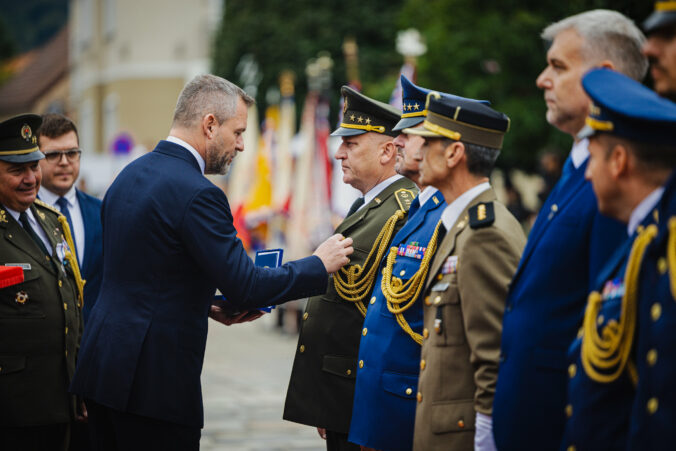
47	206
481	215
404	198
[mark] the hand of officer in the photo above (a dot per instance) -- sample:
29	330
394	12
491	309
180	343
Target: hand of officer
216	313
322	433
334	251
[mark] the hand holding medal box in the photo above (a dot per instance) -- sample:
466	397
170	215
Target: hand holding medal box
267	258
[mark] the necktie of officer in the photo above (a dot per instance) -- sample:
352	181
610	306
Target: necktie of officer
355	206
63	206
23	218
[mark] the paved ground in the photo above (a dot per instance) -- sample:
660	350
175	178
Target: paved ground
244	381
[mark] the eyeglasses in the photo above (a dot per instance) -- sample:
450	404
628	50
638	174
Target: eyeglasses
72	155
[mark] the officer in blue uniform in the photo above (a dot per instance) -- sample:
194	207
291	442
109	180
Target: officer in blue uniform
632	133
653	414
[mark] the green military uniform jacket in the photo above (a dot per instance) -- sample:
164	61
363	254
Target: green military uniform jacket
463	306
40	326
322	382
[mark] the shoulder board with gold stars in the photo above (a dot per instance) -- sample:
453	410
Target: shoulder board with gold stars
481	215
404	198
46	206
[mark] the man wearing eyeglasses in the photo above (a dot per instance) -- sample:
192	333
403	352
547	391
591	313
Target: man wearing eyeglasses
58	140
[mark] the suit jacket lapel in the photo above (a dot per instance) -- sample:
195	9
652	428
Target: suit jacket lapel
448	244
88	216
560	199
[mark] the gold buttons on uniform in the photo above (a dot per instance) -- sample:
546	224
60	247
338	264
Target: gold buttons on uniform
569	410
47	257
570	448
651	357
349	372
652	405
437	299
426	333
364	331
572	370
66	352
599	320
409	391
60	283
361	364
440	276
302	348
65	306
555	207
305	315
66	330
461	424
422	364
402	272
656	311
418	397
662	265
373	300
427	300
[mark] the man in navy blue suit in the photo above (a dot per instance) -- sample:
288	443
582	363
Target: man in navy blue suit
169	243
568	245
59	141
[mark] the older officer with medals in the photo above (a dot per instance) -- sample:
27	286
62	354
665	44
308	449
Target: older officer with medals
632	153
40	317
653	414
465	290
322	382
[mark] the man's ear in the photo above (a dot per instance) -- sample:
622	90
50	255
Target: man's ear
209	124
454	153
619	161
607	64
388	151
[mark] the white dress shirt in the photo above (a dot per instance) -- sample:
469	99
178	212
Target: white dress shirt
580	152
35	225
642	210
373	192
78	231
426	194
191	149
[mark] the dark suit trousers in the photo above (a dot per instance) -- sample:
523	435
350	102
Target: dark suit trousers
51	437
112	431
337	441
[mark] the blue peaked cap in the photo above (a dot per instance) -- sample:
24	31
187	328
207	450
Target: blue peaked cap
624	107
413	104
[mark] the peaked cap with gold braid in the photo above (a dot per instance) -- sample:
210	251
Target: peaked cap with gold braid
362	114
18	143
663	16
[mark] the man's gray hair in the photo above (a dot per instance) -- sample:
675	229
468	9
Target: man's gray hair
206	94
607	35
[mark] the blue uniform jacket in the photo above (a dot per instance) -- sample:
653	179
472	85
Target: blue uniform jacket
653	415
383	413
168	243
92	263
567	246
598	413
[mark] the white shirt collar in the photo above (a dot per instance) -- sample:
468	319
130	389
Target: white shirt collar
51	198
191	149
580	152
642	210
426	194
454	209
373	192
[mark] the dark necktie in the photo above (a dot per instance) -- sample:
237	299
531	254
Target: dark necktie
355	206
23	218
63	206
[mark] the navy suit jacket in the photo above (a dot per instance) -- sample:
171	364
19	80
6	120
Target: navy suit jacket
169	242
92	263
567	247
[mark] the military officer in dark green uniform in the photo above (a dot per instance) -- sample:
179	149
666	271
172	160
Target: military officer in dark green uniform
40	318
322	382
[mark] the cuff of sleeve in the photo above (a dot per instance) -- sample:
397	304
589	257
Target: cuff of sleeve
483	437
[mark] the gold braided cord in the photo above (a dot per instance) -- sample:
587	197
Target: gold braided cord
356	282
72	259
401	296
604	356
671	256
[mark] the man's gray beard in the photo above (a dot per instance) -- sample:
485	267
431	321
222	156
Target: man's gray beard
218	164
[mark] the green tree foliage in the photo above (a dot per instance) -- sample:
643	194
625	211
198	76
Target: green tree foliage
32	22
284	36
